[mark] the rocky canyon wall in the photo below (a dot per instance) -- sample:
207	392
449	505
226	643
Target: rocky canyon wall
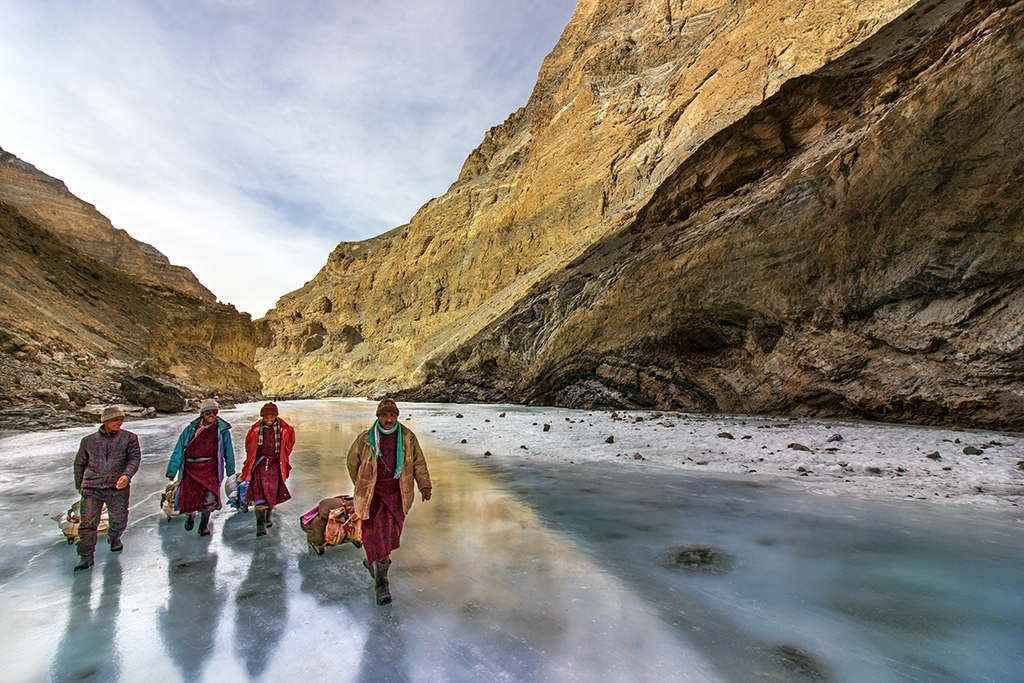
785	207
76	330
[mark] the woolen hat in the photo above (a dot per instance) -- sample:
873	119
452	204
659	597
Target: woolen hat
208	404
387	404
111	413
269	409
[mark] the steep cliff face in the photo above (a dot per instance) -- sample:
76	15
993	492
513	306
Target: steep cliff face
73	328
780	207
48	202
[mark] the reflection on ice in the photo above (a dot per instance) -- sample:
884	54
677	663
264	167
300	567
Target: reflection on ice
514	571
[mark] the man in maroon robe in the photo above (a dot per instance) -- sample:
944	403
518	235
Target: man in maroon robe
268	446
202	457
385	463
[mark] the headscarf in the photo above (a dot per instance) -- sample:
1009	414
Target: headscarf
375	434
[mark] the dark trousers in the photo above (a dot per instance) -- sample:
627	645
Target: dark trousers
92	507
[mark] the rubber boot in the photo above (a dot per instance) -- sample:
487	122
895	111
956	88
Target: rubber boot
261	520
380	582
190	521
85	562
270	511
204	524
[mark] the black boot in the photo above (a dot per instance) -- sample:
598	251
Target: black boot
380	582
204	524
270	511
84	563
190	521
261	521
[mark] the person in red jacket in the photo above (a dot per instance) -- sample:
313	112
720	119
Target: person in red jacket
268	445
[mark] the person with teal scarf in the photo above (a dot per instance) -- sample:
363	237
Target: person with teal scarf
386	463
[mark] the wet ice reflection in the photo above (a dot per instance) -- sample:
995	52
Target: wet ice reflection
516	570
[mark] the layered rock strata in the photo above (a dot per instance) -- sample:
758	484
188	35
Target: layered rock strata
72	328
48	202
782	207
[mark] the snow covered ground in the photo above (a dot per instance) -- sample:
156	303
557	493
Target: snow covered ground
827	457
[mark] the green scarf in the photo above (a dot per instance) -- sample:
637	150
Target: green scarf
375	444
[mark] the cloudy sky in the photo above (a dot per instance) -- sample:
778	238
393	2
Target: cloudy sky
246	138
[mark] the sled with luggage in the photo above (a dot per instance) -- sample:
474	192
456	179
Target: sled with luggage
70	521
333	522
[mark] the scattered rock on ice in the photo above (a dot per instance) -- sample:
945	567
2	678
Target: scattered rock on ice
834	438
798	447
610	439
934	456
971	450
725	435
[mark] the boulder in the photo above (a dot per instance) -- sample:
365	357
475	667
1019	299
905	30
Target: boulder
148	391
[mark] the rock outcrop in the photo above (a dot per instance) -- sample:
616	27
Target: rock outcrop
48	202
784	207
72	328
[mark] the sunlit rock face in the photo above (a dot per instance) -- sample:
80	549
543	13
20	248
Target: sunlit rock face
73	327
781	207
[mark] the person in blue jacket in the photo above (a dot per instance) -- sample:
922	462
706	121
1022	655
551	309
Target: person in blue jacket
202	458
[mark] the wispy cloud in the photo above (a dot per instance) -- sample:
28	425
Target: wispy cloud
245	139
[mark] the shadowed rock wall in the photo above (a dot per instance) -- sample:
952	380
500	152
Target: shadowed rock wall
71	327
48	202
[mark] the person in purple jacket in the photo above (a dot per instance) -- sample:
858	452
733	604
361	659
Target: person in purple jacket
106	461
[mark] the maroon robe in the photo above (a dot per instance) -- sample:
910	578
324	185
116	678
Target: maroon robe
266	485
200	473
383	529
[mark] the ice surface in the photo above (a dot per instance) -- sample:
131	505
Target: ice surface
523	567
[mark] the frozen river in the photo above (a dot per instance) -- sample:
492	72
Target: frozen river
517	570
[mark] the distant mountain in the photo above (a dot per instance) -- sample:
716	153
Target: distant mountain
783	207
47	201
75	329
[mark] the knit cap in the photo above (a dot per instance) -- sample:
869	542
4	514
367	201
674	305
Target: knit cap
387	404
111	413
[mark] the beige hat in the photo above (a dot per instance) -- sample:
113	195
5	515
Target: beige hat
208	404
111	413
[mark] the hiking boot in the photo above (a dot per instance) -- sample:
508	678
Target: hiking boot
269	522
116	546
369	567
261	521
84	563
380	582
190	521
204	524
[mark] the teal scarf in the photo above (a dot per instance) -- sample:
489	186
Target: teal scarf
375	444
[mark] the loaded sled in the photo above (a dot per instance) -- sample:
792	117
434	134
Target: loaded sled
70	520
333	522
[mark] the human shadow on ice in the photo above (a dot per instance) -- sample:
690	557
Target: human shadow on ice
261	606
87	651
194	603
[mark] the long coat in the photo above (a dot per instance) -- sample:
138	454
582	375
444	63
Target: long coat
252	441
362	468
225	451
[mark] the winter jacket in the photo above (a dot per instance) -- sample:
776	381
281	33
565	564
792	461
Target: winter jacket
225	451
363	470
251	444
104	456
